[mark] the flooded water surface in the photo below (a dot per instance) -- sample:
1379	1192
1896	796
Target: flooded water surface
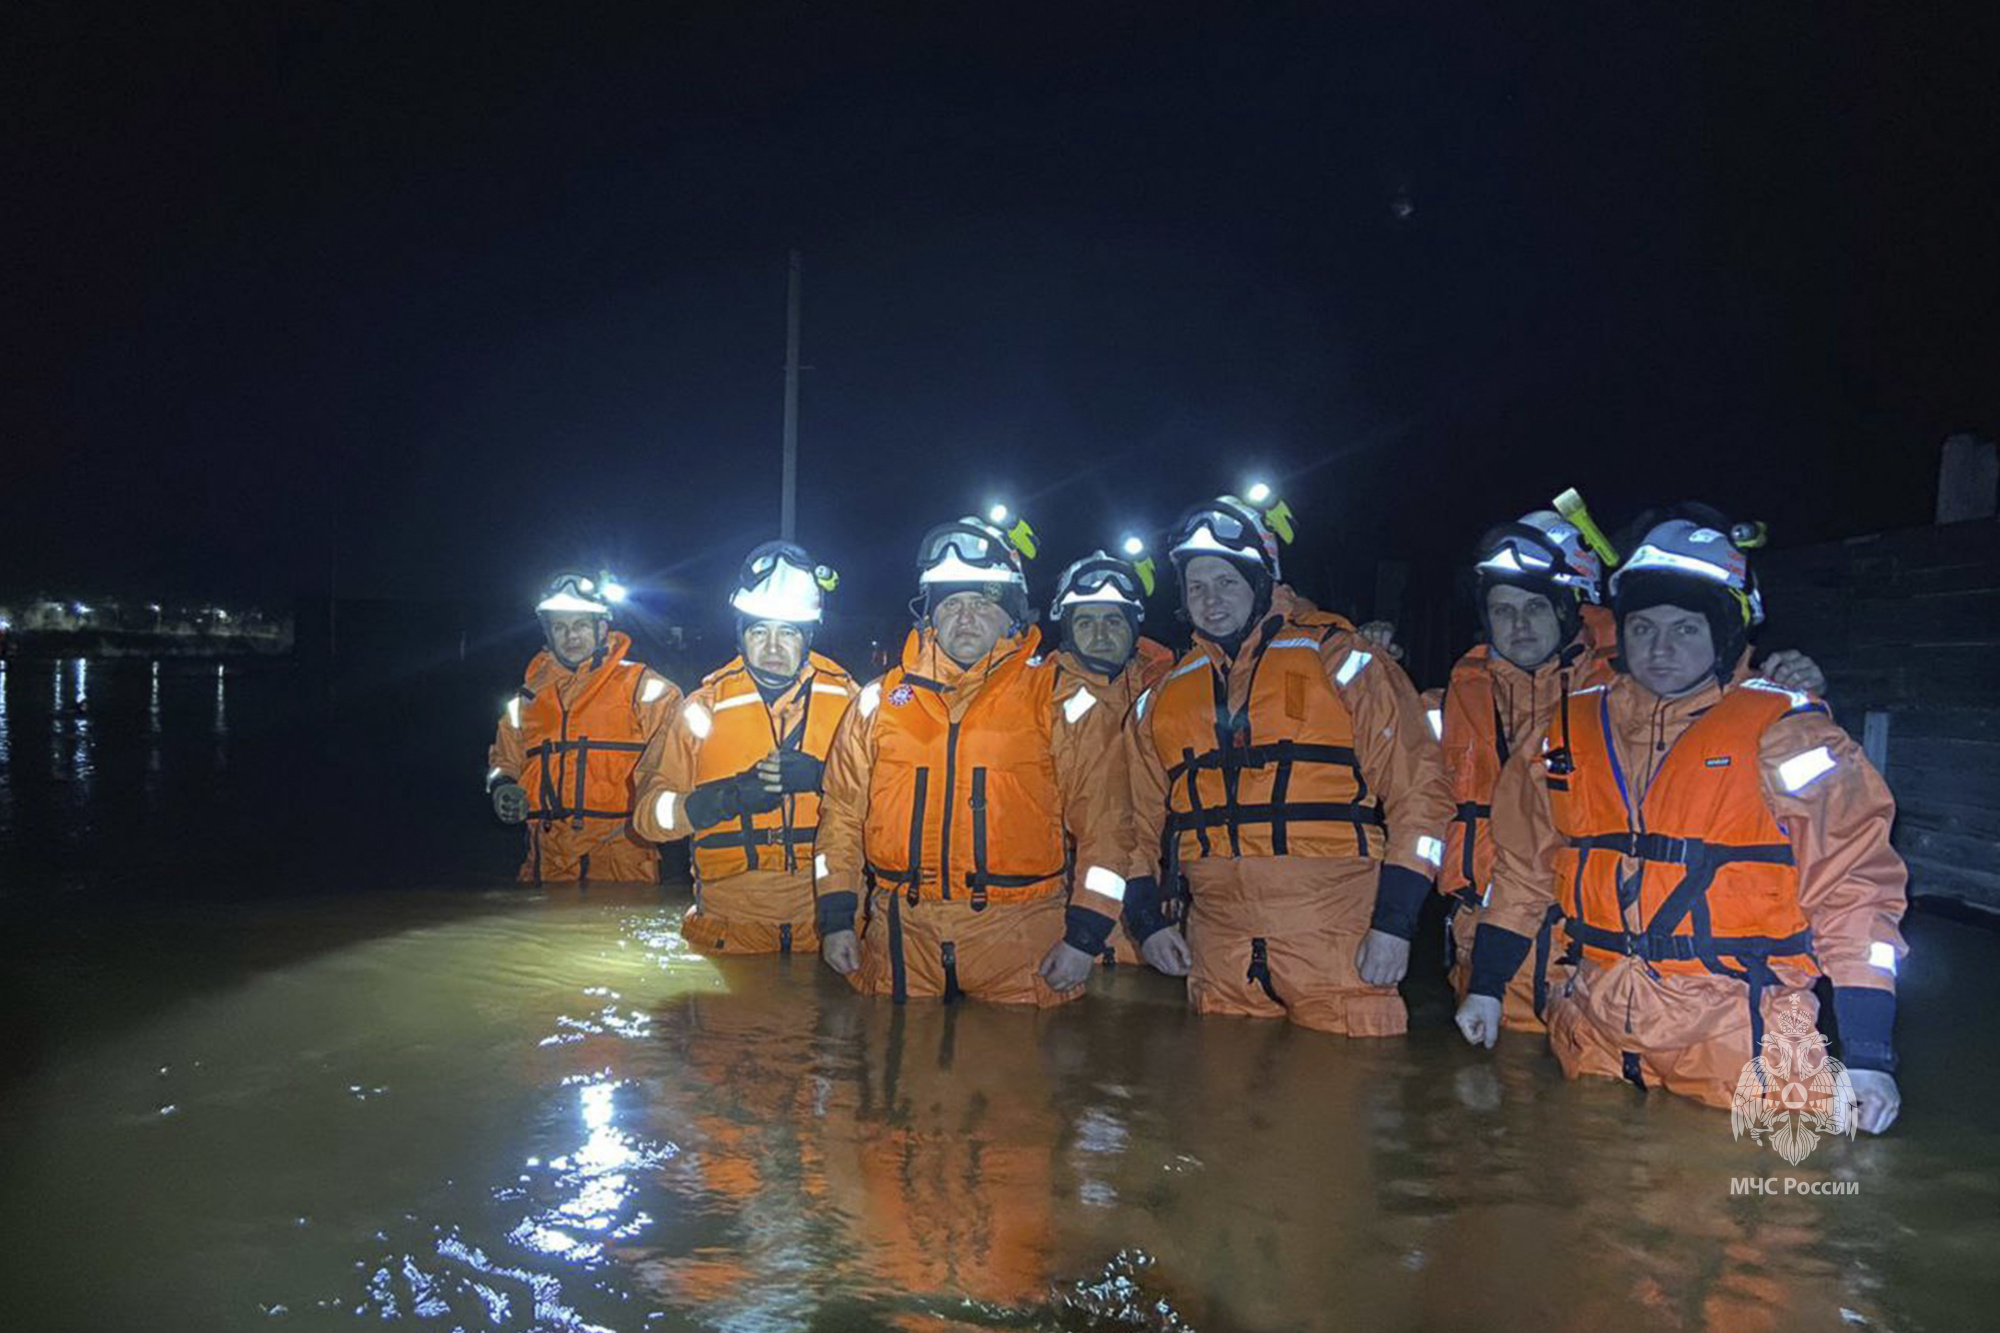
484	1107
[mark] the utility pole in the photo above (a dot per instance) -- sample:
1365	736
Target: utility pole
788	507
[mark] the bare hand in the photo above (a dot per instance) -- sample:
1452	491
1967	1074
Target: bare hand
1065	967
842	951
1795	671
1382	633
510	803
769	772
1382	958
1167	950
1876	1097
1479	1019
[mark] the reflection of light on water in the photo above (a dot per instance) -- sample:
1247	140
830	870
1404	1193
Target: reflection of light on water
6	755
153	730
584	1204
221	716
1101	1138
597	1178
80	753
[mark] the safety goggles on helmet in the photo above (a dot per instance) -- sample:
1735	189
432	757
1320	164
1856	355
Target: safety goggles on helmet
1226	527
1098	580
574	594
1694	550
967	551
779	581
1542	548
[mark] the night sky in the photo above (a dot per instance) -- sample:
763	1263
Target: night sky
478	293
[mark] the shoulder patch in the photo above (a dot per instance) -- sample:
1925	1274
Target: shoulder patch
698	719
654	690
871	698
1350	668
1077	705
1145	698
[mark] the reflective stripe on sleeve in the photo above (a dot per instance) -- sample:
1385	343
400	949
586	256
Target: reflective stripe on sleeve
1801	770
1105	883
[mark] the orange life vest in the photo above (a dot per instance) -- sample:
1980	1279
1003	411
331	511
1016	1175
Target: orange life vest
1279	778
743	731
968	810
579	758
1476	744
1714	888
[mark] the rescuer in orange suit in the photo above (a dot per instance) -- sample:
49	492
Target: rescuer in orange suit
1538	588
566	746
1285	768
1714	844
1100	603
737	768
953	791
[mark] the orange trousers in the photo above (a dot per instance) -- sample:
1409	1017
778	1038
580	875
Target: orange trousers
944	950
1276	937
599	852
1688	1034
758	911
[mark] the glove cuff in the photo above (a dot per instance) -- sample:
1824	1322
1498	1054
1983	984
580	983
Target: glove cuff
834	912
1867	1019
1399	896
1086	930
1497	954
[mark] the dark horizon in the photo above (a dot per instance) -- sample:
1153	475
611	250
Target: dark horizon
488	295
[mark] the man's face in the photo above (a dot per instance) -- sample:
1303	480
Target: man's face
775	647
573	635
1219	597
1102	632
1668	649
968	625
1524	625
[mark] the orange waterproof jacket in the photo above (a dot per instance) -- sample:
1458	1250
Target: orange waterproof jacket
1750	829
959	783
1490	707
723	729
572	738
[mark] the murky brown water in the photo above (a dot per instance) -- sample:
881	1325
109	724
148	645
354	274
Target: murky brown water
515	1110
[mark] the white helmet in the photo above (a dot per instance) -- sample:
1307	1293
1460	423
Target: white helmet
1099	579
779	581
1543	547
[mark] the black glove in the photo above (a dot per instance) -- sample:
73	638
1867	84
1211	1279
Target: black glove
799	771
731	798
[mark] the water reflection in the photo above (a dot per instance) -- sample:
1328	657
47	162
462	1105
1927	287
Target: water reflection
745	1144
82	763
6	756
221	716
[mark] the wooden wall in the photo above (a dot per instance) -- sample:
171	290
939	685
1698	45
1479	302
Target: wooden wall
1907	626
